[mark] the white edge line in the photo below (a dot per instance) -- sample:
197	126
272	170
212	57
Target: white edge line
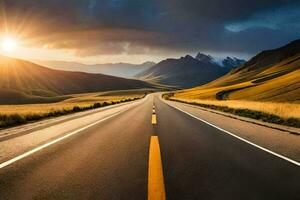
28	153
240	138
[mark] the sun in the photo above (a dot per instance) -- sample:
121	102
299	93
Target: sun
9	44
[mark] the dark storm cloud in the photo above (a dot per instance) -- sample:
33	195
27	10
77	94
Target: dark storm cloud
95	27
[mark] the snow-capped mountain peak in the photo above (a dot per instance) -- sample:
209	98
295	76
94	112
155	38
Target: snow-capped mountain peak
203	57
230	62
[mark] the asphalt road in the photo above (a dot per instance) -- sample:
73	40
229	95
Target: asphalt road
110	161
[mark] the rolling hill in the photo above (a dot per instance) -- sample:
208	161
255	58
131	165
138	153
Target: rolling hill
184	72
23	81
272	75
124	70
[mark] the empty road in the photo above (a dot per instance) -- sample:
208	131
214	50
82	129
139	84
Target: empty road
149	150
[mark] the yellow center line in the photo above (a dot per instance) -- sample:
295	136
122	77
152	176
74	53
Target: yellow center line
156	186
154	120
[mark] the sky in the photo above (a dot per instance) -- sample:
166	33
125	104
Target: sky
103	31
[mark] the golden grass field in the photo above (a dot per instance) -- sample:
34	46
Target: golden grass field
284	110
81	100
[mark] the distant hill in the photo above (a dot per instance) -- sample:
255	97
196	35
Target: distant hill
124	70
21	79
186	71
268	58
272	75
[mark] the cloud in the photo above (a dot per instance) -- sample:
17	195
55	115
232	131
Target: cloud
108	41
284	17
112	27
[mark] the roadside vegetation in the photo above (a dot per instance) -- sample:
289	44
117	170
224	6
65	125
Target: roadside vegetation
12	115
287	114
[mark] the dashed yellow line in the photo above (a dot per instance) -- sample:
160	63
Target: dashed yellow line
156	186
154	120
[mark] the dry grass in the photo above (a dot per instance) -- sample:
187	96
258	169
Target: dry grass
38	108
204	92
12	115
85	100
284	110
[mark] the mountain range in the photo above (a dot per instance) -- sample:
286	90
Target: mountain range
188	71
125	70
180	73
272	75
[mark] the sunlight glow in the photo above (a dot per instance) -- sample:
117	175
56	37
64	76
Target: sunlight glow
8	44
